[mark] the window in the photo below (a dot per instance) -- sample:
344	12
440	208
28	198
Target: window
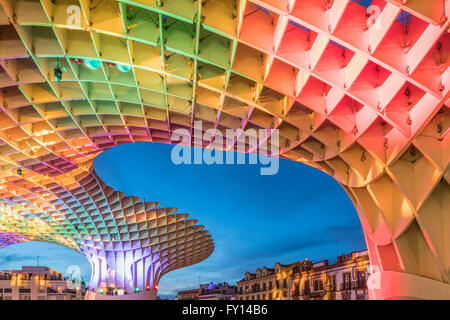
307	287
264	286
284	283
332	282
270	285
316	285
295	290
346	280
361	282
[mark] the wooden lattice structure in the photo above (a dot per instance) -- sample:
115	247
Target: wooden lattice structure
359	92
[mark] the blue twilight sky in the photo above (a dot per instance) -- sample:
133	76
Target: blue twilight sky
255	220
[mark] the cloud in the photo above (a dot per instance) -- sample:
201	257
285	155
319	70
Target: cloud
254	220
50	255
302	241
278	248
13	257
230	265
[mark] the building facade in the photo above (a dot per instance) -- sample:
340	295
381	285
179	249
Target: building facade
362	97
211	291
305	280
189	294
219	291
38	283
261	285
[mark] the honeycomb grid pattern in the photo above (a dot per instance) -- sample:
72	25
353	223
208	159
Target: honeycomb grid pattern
362	97
98	221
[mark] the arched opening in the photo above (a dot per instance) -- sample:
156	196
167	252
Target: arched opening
255	220
51	255
343	93
41	270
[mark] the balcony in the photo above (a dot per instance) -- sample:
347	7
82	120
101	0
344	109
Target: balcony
360	284
318	293
346	295
24	290
70	291
332	288
346	286
306	292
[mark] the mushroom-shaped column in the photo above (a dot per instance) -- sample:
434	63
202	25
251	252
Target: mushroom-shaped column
357	90
129	243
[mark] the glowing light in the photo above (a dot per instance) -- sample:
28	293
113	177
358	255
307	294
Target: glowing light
92	64
375	121
43	132
58	73
123	67
50	143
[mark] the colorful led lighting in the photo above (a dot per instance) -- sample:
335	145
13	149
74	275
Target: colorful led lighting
344	93
92	64
123	67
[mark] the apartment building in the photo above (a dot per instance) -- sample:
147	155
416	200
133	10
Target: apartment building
38	283
189	294
304	280
264	284
209	291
